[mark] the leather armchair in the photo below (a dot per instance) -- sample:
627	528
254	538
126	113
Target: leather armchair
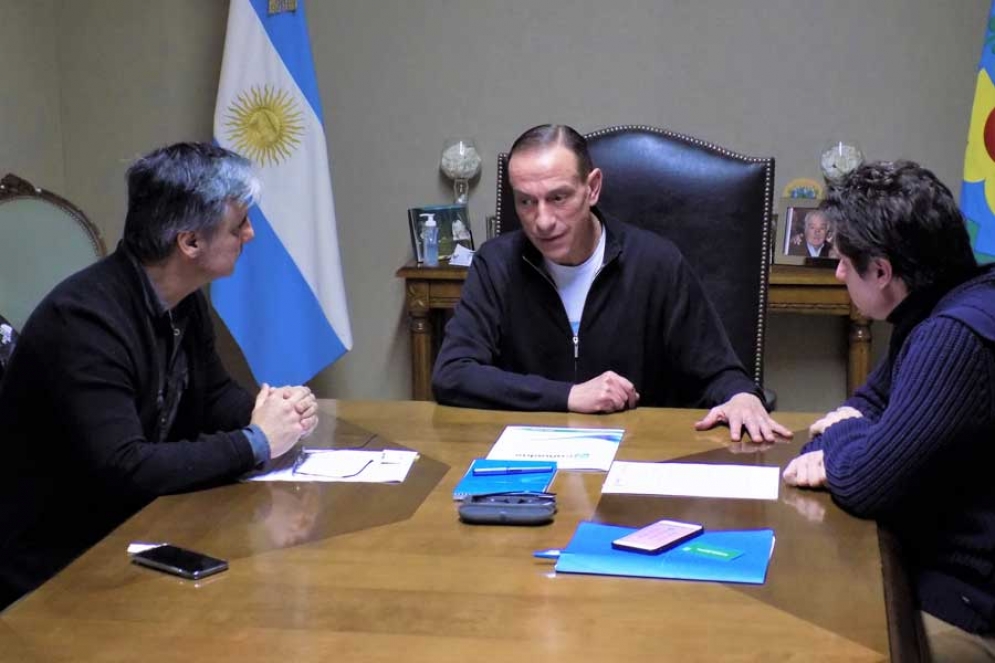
714	204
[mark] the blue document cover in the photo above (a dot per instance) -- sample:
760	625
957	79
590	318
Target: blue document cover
738	556
536	482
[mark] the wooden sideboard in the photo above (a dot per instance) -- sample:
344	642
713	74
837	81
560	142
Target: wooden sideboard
431	291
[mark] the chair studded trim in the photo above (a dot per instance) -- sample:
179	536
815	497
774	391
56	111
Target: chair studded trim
501	179
759	174
12	187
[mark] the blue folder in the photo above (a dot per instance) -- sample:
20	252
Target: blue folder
537	482
590	551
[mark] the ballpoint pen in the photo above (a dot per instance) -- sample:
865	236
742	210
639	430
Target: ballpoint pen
548	553
504	469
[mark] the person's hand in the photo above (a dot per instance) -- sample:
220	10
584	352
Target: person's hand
304	401
744	411
837	415
278	418
797	239
806	471
306	406
609	392
309	424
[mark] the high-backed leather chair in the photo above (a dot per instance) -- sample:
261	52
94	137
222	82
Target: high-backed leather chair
43	239
714	204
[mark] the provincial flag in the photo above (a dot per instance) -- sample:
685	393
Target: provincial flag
285	305
977	194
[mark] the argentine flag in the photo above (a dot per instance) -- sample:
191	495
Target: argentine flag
285	304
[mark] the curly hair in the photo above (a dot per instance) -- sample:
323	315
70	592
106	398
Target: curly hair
900	211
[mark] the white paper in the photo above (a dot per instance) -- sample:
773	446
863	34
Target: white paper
751	482
569	448
462	256
348	465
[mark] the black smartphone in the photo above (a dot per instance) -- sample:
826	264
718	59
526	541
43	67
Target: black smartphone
180	562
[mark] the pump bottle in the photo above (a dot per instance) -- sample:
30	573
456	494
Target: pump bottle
430	240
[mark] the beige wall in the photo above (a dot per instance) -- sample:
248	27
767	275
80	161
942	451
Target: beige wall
30	126
777	77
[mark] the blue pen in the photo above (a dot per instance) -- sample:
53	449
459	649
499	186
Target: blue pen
504	469
548	553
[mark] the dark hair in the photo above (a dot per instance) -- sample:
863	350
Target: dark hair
900	211
181	188
548	135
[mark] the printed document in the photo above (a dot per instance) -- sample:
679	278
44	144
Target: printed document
569	448
751	482
349	465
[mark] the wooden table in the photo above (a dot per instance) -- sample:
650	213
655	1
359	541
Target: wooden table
430	291
363	572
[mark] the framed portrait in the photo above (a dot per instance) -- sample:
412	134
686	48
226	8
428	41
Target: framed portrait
804	235
454	228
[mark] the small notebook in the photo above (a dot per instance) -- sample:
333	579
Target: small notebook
476	484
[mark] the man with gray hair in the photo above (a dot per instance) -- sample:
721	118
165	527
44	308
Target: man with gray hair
115	393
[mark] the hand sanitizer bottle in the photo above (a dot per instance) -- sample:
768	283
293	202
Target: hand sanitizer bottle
430	240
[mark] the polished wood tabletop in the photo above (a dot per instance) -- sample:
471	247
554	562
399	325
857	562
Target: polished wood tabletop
368	572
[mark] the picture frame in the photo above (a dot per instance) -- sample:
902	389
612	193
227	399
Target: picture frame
790	247
454	228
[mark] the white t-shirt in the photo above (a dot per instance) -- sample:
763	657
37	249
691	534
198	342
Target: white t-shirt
573	282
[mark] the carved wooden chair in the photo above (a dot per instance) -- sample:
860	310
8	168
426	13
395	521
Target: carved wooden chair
43	239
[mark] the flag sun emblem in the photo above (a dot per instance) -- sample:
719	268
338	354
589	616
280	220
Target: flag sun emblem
265	125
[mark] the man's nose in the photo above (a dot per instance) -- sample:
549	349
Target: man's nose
545	219
248	232
840	272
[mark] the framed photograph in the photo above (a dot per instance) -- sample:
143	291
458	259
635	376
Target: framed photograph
804	235
454	228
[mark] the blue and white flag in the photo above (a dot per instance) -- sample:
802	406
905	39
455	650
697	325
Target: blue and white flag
285	304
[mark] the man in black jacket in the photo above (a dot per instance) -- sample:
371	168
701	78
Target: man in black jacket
583	313
115	393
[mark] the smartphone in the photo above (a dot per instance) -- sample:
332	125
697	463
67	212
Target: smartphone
657	537
180	562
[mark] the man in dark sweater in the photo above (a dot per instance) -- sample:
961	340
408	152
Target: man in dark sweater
913	448
578	312
115	394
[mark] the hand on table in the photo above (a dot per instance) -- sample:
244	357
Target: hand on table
744	411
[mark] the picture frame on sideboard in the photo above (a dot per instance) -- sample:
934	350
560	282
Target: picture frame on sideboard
454	228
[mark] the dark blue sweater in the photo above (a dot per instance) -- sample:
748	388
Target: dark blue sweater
920	461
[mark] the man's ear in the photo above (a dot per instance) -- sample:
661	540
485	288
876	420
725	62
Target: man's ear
189	243
880	269
594	183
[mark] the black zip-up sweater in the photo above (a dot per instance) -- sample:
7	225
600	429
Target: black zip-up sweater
78	412
509	344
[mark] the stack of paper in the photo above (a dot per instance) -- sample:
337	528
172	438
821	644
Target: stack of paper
754	482
569	448
349	465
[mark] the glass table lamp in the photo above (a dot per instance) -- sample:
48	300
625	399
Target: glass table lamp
460	162
839	158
